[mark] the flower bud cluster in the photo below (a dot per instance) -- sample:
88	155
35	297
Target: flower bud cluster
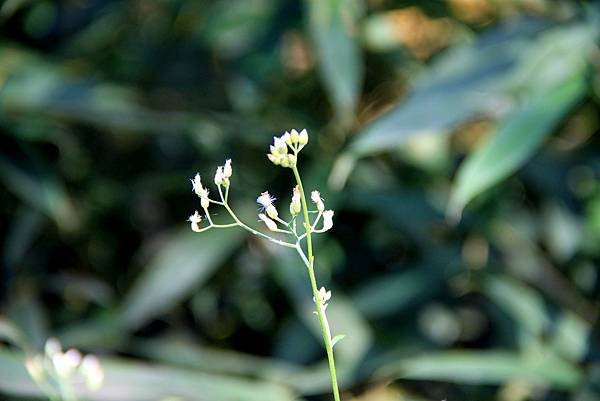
279	150
223	174
63	366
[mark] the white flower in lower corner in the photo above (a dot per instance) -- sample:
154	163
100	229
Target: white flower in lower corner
327	220
92	372
195	220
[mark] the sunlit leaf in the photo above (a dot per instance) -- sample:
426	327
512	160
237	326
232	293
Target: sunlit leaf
515	140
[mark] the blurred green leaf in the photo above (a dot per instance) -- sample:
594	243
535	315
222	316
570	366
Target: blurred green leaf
42	192
514	141
183	262
333	27
126	380
522	303
485	367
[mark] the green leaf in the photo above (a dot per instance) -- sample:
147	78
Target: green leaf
486	367
336	339
184	262
514	141
333	25
126	380
41	192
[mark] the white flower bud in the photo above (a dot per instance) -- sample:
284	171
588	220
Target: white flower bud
227	170
303	137
195	220
315	196
274	159
280	146
65	364
205	203
35	367
291	159
294	137
219	176
287	138
324	294
272	212
270	223
92	372
295	204
327	220
52	347
197	186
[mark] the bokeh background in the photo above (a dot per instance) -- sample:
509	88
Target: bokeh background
454	140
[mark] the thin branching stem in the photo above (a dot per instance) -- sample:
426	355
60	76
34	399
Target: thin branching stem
309	262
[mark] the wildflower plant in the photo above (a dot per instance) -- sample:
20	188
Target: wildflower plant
296	232
55	371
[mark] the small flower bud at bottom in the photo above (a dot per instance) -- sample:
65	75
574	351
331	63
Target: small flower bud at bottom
271	225
195	220
205	203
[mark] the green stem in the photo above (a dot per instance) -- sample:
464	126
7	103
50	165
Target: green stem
253	231
313	282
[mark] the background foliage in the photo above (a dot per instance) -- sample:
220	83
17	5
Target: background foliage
454	139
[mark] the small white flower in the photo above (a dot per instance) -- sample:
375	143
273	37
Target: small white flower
270	223
92	372
65	364
52	347
327	220
195	220
324	294
303	137
279	145
295	205
294	137
219	176
227	171
197	186
315	196
265	200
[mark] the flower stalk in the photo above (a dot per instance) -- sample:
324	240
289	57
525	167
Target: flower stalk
280	155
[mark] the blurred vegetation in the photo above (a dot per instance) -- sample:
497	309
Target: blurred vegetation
457	142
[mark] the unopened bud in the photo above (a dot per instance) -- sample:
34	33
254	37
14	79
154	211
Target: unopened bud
35	367
327	220
270	223
295	205
227	170
204	202
303	137
219	176
272	212
315	196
